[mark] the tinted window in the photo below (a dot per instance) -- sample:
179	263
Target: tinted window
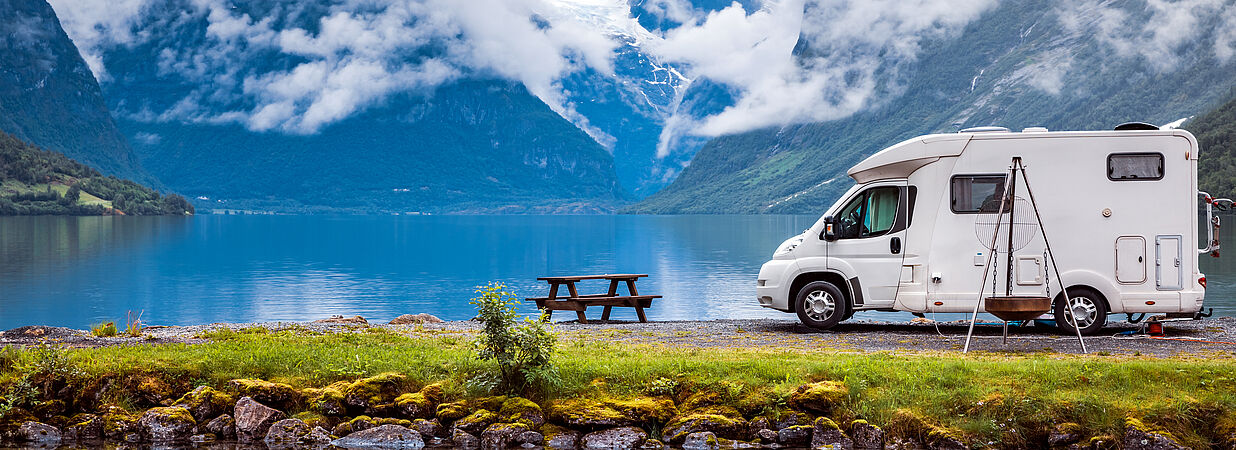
972	194
1135	166
871	213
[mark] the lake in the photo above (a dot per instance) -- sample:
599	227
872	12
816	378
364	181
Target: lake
75	271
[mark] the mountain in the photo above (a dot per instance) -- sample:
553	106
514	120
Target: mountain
49	97
1216	136
1020	64
34	181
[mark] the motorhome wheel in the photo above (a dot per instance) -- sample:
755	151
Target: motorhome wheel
821	305
1089	309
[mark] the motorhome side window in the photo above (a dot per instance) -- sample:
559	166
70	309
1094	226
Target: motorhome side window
871	213
973	194
1135	166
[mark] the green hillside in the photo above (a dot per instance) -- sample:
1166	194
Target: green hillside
1216	136
34	181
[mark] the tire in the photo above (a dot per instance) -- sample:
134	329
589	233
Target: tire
821	305
1090	308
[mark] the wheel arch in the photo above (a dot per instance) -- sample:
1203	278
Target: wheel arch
1085	279
802	279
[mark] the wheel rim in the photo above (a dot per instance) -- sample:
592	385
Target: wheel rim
1085	312
820	305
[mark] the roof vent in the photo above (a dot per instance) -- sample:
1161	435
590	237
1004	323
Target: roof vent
1134	126
984	130
1035	130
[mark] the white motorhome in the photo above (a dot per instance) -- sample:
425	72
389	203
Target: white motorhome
1120	209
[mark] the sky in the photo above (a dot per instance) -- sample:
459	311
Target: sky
352	54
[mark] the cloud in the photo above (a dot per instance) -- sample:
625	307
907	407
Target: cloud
94	25
1161	33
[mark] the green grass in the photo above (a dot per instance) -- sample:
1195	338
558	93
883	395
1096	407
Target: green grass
13	187
1005	398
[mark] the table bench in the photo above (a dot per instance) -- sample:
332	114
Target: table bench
579	303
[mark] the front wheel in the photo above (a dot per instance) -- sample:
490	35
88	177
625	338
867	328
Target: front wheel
820	305
1088	308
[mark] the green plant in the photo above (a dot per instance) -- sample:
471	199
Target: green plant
133	324
104	329
663	386
523	353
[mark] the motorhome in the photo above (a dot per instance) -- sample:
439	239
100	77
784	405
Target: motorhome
1119	210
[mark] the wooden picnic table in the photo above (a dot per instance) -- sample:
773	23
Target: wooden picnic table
579	303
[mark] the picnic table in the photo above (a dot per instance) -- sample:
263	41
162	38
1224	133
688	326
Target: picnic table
578	303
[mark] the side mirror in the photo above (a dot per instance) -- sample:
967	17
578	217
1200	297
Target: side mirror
830	225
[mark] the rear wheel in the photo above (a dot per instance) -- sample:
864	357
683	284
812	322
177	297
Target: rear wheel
1088	308
821	305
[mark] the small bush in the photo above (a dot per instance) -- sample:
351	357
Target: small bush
133	324
523	352
104	329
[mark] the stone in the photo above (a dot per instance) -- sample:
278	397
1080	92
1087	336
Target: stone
820	397
652	444
202	438
825	432
83	427
429	427
558	438
791	419
265	392
375	395
476	422
1064	434
728	427
795	435
756	424
223	427
521	410
313	419
610	413
900	443
614	438
415	318
464	440
450	412
530	438
38	433
205	403
766	436
414	406
286	432
500	435
166	424
865	435
382	436
354	320
327	401
253	419
318	437
118	424
704	440
1138	437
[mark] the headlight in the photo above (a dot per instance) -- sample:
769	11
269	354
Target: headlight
786	247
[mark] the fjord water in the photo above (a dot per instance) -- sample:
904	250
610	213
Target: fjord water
74	271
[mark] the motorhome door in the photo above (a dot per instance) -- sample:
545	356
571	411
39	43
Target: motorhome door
871	241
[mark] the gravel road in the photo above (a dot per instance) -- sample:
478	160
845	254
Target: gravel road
1209	338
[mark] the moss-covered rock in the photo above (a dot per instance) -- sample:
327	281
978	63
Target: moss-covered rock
450	412
434	393
376	394
559	438
313	419
866	435
523	411
166	424
906	423
414	406
83	427
820	397
501	435
149	389
206	403
118	423
10	422
326	401
1139	436
277	395
795	435
791	418
1064	434
678	429
476	422
491	403
604	413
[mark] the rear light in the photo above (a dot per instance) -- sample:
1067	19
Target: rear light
1202	281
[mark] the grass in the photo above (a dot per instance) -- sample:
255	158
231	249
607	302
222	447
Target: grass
986	397
104	329
12	187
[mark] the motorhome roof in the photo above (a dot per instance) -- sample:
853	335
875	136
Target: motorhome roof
902	159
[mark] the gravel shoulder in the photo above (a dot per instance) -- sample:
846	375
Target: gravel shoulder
1209	338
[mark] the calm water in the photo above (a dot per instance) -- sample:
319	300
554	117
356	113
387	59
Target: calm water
72	271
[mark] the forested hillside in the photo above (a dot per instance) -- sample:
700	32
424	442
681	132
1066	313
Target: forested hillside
1216	137
34	181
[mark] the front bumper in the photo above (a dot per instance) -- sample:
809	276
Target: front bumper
772	288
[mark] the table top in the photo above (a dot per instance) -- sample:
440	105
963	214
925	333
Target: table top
619	276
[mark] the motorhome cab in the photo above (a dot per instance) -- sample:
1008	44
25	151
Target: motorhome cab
1120	210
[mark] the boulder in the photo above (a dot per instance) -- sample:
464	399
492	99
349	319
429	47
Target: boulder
382	436
202	438
313	419
415	318
427	427
1139	437
791	419
375	395
521	410
119	425
614	438
704	440
327	401
476	422
866	436
223	427
827	433
820	397
600	414
728	427
268	393
414	406
83	427
795	435
38	433
1064	434
558	438
766	436
948	443
450	412
354	320
286	432
464	440
253	419
530	438
318	437
205	403
500	435
166	424
652	444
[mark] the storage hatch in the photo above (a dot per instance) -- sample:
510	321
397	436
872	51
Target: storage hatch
1131	259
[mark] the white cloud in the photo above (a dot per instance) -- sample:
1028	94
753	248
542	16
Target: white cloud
1161	33
95	24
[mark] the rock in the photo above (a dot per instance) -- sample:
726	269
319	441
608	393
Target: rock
530	438
521	410
318	437
614	438
382	436
450	412
268	393
827	433
414	406
791	419
766	436
83	427
558	438
253	419
166	424
354	320
205	403
948	443
327	401
476	422
652	444
202	438
1064	434
819	397
286	432
223	427
728	427
1138	437
375	395
598	414
38	433
865	435
795	435
415	318
500	435
118	424
704	440
464	440
427	427
313	419
758	423
899	443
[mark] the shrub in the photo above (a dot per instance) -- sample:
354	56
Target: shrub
104	329
522	352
